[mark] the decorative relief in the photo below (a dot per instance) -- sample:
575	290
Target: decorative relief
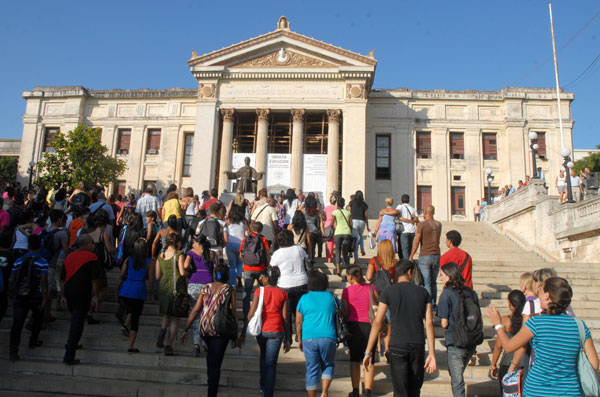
263	114
298	115
283	23
284	58
355	91
227	114
275	90
207	90
455	112
333	115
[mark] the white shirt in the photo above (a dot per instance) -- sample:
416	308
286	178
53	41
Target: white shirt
236	232
290	210
575	181
290	261
406	211
537	308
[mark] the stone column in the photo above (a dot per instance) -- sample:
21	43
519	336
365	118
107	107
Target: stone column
226	142
297	148
261	145
333	151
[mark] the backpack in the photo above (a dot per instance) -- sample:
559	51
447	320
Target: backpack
27	280
212	230
253	250
80	200
104	257
512	384
225	324
468	323
47	250
189	233
382	278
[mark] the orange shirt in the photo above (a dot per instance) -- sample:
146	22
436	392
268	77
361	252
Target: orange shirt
74	227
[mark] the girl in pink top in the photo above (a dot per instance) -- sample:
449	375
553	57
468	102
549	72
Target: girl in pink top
357	300
327	222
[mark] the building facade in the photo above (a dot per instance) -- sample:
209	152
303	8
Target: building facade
306	114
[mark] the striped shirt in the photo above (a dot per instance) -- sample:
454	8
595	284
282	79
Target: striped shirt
209	309
41	266
556	343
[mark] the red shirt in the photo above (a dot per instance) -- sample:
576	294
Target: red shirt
273	300
391	270
75	260
458	256
261	267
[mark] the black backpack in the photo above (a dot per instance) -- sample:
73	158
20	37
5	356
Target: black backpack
190	232
27	280
104	257
212	230
253	250
382	278
48	250
468	323
80	200
225	324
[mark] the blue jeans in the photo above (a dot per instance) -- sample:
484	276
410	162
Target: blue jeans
406	242
249	278
457	362
320	360
269	343
194	292
429	266
214	358
358	228
235	262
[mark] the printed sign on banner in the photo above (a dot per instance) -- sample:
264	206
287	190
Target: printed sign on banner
237	162
278	169
315	174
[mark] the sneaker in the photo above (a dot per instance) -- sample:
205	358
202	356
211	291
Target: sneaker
73	361
169	351
196	351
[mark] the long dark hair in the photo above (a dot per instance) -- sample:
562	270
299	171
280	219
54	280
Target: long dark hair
290	196
359	197
518	300
235	214
140	250
560	295
310	204
456	281
356	272
299	222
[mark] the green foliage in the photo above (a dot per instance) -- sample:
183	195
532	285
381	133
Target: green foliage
8	168
591	160
79	156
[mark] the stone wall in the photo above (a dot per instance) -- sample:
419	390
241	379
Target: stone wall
536	221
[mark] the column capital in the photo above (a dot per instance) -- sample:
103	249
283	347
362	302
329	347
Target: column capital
333	115
298	114
263	114
227	114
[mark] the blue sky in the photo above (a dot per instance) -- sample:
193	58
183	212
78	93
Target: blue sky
454	45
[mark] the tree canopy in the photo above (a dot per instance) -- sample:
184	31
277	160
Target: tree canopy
8	169
78	156
592	160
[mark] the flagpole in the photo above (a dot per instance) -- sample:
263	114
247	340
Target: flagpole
562	138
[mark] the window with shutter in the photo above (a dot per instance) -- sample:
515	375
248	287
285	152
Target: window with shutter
423	197
383	166
49	134
123	141
458	200
120	188
541	141
187	154
153	145
490	151
457	145
423	145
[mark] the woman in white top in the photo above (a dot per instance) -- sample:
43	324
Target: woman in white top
561	185
290	260
233	235
291	204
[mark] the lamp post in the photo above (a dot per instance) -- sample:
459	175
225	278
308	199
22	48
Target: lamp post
534	148
30	172
490	178
567	165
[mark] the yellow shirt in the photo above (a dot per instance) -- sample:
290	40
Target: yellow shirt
172	207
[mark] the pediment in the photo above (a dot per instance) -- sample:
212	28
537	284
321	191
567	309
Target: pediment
284	59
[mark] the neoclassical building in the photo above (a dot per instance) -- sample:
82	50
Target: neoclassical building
307	115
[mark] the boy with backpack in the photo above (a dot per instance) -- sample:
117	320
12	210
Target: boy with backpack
255	256
54	246
29	288
212	228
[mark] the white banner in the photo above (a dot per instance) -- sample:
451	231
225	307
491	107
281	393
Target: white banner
278	169
237	162
315	174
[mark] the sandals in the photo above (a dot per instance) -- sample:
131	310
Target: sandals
133	350
169	351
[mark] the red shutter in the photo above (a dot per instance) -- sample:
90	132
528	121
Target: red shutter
124	139
541	141
153	142
424	145
121	188
423	197
458	200
49	135
490	148
457	145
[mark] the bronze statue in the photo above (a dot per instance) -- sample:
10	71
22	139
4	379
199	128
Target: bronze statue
246	177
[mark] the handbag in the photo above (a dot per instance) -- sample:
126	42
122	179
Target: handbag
179	304
511	384
418	277
585	372
341	327
309	264
328	233
372	243
121	249
255	323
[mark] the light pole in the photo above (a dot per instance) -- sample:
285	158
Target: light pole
567	165
534	148
490	178
30	172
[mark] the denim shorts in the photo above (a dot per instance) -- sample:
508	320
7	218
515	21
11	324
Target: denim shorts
320	360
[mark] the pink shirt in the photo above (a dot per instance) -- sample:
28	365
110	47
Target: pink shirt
4	218
328	211
357	296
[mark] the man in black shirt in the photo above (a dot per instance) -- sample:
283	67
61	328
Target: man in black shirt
79	279
409	305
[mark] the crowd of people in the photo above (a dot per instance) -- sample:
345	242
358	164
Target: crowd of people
194	254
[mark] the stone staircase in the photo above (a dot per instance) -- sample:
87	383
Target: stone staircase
108	370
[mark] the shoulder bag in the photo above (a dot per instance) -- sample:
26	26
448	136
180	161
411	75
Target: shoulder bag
585	372
341	327
179	305
255	323
226	325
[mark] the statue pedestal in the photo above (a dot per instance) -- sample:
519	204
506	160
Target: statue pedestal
226	198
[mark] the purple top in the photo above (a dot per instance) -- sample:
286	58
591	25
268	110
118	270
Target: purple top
203	273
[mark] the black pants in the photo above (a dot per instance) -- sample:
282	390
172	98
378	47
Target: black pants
78	314
316	242
214	358
407	364
22	306
342	245
133	307
294	295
